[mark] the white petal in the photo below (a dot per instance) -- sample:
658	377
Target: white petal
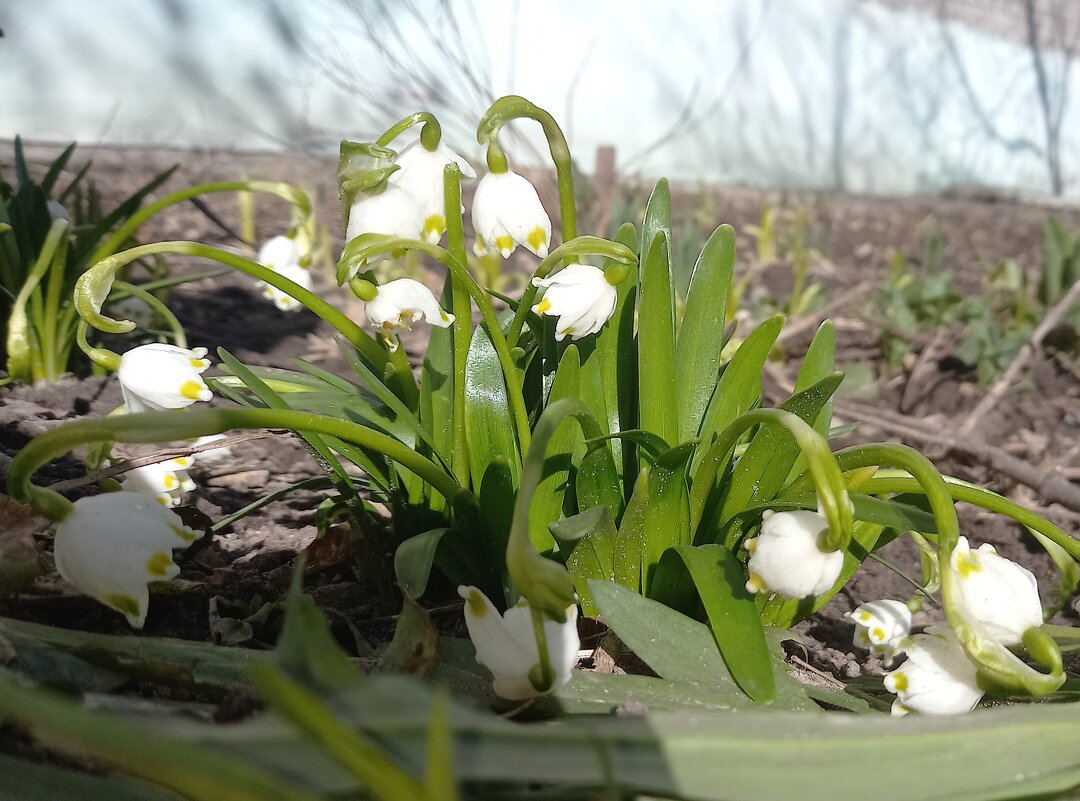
787	559
393	212
157	376
497	648
407	297
995	593
279	252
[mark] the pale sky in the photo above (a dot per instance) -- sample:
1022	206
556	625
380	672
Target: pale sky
763	74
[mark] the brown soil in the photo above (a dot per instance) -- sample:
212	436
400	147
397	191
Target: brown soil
1038	422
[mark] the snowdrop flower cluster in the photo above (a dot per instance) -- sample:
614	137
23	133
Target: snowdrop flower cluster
997	597
111	546
156	377
282	255
165	481
787	557
506	645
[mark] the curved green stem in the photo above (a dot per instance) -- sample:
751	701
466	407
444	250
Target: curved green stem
366	246
557	259
154	302
24	361
53	352
544	583
462	325
188	424
102	357
94	285
294	195
512	107
430	134
825	472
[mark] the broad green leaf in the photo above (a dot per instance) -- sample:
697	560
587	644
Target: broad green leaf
680	649
495	515
598	482
547	500
587	543
630	539
818	363
26	780
739	387
712	574
414	559
590	693
761	471
667	510
488	422
436	410
701	335
657	411
57	167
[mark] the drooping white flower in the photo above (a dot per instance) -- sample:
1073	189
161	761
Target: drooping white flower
399	304
995	593
880	626
111	546
421	175
580	296
295	273
937	678
506	645
278	252
213	456
165	481
787	557
507	212
157	376
394	212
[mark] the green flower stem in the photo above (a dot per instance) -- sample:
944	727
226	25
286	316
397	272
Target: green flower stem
94	285
430	134
188	424
545	584
25	360
54	365
360	756
198	773
825	472
297	197
995	661
976	496
546	679
512	107
462	326
366	246
562	255
404	380
102	357
154	302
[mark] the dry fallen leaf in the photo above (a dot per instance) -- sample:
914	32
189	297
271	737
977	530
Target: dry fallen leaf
19	564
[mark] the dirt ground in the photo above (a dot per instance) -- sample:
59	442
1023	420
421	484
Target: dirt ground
1038	422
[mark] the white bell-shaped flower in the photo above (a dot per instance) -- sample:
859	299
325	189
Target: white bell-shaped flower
421	175
995	593
580	296
165	481
213	456
787	556
937	678
507	212
295	273
394	212
111	546
880	626
506	645
158	376
401	303
278	252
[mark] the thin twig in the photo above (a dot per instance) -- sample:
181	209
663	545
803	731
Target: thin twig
812	320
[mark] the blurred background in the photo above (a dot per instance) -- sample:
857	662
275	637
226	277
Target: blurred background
882	96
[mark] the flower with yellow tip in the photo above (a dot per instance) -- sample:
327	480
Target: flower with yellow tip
506	645
166	481
787	556
111	546
580	296
880	626
401	303
507	212
937	678
421	175
995	593
155	377
278	252
394	212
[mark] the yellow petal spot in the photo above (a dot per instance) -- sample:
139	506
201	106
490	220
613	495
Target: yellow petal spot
480	246
537	238
568	330
169	480
543	306
397	253
476	604
435	224
756	584
864	617
158	565
967	563
751	545
165	500
199	364
504	243
186	534
899	682
124	604
191	390
877	633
